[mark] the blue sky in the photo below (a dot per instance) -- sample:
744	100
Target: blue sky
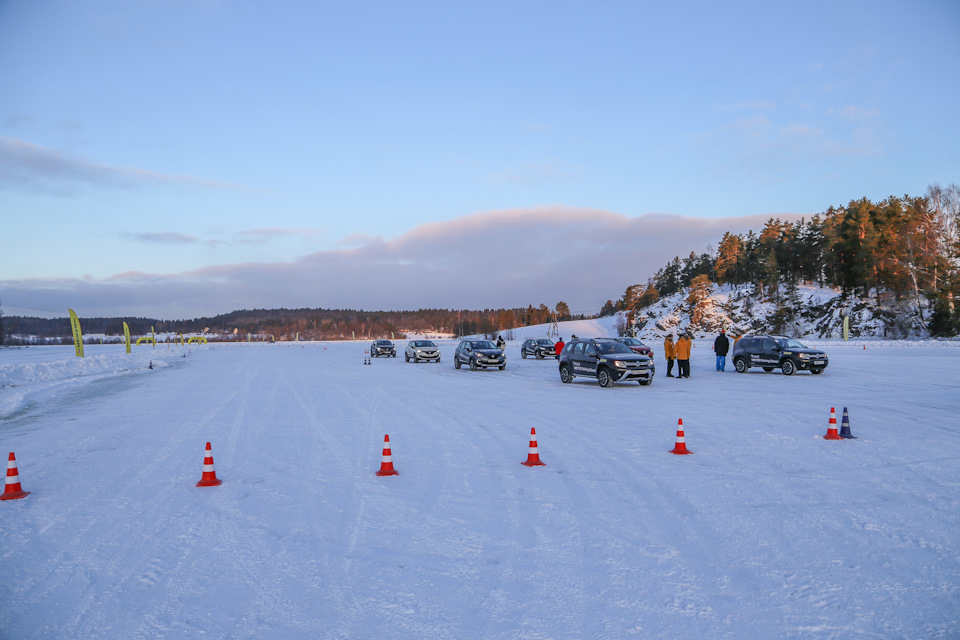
177	159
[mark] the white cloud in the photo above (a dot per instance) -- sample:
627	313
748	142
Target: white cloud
164	237
31	167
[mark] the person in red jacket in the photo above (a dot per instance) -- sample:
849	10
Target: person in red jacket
559	347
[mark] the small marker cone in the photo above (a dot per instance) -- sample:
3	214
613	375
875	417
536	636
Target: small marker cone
12	490
533	454
386	463
845	426
209	477
832	426
680	448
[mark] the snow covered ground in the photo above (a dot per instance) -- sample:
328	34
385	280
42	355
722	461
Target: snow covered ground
767	531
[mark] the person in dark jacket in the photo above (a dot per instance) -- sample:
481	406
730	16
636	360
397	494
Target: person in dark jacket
721	345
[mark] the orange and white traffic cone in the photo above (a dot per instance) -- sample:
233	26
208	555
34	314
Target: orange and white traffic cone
680	448
386	462
533	454
12	490
209	477
832	427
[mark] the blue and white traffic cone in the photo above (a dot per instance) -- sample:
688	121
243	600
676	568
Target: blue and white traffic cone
845	426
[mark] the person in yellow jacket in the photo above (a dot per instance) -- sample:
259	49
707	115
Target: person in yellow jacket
670	352
684	344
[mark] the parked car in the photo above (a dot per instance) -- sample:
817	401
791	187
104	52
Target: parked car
540	348
605	359
479	354
777	352
418	350
637	345
383	348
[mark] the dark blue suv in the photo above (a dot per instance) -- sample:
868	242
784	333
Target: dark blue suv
777	352
479	354
605	359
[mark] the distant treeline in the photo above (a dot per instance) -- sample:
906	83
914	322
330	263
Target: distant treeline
906	248
309	324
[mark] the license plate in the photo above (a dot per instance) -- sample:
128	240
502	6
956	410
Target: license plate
818	362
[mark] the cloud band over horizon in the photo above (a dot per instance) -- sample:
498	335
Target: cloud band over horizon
501	259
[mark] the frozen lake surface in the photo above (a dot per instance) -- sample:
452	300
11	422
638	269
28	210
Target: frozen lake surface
766	531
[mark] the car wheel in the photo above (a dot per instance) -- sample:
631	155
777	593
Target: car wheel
768	369
473	365
603	377
788	367
523	354
646	383
406	358
456	362
565	375
816	371
740	365
539	356
502	367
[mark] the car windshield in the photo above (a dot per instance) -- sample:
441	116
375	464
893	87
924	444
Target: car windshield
608	348
790	343
483	344
546	342
423	343
633	342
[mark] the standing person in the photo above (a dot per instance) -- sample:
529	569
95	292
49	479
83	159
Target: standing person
500	342
684	344
670	352
721	345
558	347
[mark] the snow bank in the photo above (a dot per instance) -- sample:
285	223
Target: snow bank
27	374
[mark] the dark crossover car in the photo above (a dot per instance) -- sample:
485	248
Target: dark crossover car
605	359
777	352
539	348
418	350
637	345
383	348
479	354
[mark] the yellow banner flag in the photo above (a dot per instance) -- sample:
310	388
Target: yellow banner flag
153	334
846	327
77	333
126	336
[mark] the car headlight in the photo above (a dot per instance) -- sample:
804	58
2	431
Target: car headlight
618	363
804	356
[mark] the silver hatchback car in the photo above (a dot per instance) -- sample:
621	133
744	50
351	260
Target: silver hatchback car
418	350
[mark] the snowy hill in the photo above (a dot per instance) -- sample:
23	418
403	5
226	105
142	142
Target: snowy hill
803	311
